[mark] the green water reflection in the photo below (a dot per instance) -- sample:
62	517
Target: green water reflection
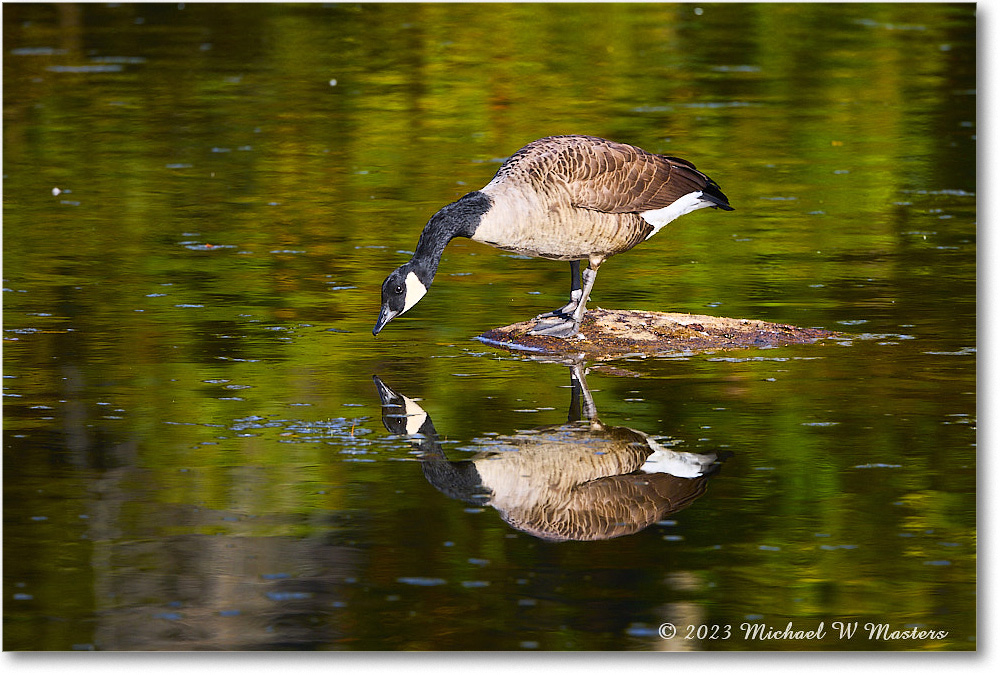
201	202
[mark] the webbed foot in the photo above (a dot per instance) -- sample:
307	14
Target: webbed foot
556	326
563	312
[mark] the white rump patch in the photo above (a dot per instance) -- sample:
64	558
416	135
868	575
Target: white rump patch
692	201
414	291
680	464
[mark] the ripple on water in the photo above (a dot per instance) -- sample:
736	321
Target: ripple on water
421	581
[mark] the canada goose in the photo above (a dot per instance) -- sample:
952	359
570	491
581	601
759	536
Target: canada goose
582	480
563	198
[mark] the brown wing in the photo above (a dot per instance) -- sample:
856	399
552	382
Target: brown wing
602	175
608	507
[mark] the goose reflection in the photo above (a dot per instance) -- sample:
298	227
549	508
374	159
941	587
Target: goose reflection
578	481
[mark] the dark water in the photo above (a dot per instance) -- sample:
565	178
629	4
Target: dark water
200	203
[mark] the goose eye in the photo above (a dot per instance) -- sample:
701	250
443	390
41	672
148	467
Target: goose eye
399	289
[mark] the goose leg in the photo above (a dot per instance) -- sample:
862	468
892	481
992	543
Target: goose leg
570	326
578	408
575	291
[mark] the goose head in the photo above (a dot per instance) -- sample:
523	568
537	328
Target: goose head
401	290
409	282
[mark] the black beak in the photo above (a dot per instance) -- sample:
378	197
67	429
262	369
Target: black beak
387	395
384	317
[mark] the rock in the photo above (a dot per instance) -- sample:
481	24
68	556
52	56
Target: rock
615	333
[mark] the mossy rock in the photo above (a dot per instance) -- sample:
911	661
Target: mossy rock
615	333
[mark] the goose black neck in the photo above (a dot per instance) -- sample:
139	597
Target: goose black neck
458	219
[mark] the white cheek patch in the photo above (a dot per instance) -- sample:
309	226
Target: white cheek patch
692	201
414	291
415	416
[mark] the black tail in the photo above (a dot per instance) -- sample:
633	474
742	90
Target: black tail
714	194
711	190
